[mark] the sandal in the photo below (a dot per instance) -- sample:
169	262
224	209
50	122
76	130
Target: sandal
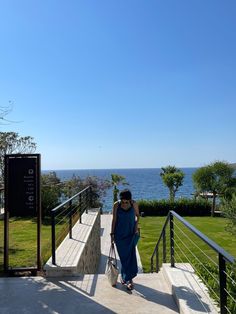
130	285
123	282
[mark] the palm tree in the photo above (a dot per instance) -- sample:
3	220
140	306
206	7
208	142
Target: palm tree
172	177
116	180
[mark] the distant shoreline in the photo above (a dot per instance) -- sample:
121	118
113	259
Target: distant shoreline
75	169
147	168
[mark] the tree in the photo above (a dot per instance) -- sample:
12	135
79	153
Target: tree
12	143
173	178
99	188
72	186
50	192
76	184
216	178
117	180
228	208
4	111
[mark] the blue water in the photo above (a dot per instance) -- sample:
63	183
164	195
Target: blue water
143	183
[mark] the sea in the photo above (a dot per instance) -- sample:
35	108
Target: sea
143	183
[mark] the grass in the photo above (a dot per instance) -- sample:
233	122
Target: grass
186	243
23	241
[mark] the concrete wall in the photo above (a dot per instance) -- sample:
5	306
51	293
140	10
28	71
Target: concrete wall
80	254
90	257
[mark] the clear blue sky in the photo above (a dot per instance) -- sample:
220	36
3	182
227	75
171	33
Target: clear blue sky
121	84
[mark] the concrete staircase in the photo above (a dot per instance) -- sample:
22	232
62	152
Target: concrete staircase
172	290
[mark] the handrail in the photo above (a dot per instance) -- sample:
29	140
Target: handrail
223	256
88	194
202	236
162	231
70	199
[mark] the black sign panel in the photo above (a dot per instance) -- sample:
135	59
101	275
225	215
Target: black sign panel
22	185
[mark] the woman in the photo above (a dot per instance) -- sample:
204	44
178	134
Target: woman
124	229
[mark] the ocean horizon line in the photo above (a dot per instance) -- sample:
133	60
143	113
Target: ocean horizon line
142	168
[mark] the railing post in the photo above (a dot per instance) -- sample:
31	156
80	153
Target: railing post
157	260
87	200
80	208
90	197
222	278
6	240
164	246
172	243
70	219
53	239
151	265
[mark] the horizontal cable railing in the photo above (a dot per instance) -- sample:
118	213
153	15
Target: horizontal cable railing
213	265
65	215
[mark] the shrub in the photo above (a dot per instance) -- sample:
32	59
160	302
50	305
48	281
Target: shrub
50	192
208	272
228	207
183	207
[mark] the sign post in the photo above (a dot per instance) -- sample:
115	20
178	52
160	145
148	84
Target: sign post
22	196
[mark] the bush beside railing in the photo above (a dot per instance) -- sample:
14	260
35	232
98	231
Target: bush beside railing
183	207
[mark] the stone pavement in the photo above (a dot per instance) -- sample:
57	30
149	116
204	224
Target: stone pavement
86	293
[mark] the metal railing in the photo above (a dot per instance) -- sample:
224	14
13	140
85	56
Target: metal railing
1	196
219	273
67	214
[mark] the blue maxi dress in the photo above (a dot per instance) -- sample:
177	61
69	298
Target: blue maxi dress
124	240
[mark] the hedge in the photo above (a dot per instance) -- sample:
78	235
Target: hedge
183	207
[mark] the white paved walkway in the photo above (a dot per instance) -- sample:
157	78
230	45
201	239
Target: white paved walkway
86	294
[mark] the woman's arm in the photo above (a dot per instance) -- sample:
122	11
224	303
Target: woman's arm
136	208
113	224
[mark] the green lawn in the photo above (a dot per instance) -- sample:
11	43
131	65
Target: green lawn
186	243
23	242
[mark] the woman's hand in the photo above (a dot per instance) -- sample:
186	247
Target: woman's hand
112	238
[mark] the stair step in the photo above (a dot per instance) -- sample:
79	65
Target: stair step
69	252
189	292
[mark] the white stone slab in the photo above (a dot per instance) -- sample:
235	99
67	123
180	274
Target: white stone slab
190	293
86	294
69	251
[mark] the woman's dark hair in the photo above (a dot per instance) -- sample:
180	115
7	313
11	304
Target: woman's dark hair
126	195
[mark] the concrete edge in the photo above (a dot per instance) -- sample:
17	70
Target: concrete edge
54	270
189	292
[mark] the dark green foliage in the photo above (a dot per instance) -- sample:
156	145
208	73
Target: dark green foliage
53	189
50	192
183	207
228	207
72	186
173	178
99	188
231	271
76	184
208	272
216	178
117	180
